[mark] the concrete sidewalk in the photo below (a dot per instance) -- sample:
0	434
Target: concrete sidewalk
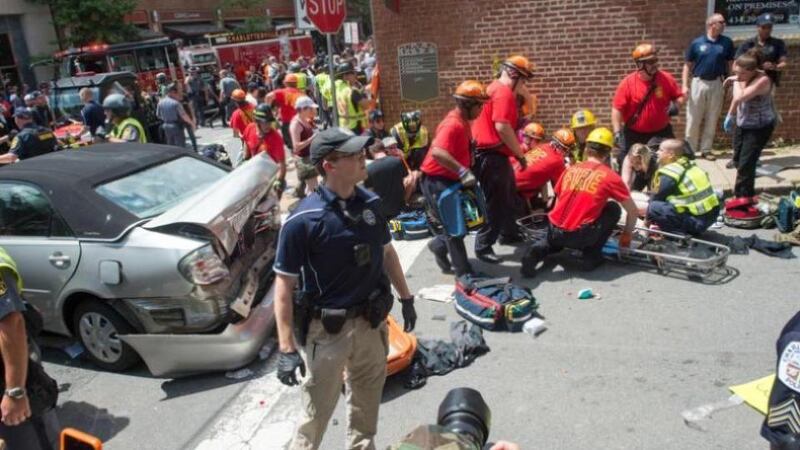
780	170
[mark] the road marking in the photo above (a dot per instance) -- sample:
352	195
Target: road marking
264	414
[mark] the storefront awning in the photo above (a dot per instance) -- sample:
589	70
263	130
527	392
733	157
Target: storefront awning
193	29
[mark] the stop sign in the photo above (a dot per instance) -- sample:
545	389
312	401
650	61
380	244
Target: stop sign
326	15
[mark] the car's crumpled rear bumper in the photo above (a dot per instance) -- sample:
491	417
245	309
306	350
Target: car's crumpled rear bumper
184	354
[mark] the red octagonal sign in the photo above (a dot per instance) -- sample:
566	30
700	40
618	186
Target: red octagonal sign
326	15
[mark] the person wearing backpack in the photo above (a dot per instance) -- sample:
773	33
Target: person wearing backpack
644	102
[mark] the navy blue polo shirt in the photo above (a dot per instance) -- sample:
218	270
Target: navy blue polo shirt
93	116
710	58
317	242
773	50
782	424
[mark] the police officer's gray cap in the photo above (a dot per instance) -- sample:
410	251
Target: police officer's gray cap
23	113
116	103
337	140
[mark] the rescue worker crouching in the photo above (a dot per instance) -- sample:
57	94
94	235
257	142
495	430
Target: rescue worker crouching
412	138
377	125
582	123
123	127
531	136
684	200
545	162
448	163
339	247
495	141
32	140
583	218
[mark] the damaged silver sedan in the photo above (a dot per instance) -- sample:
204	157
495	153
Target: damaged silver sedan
146	251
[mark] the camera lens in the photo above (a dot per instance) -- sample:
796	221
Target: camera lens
464	412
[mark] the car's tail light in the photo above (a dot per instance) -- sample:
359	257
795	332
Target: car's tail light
203	266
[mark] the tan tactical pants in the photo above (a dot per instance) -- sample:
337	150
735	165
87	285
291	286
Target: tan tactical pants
704	108
360	350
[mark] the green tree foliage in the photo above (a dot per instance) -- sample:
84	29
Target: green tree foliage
82	22
258	22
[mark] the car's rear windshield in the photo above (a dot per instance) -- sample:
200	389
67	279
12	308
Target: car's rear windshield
152	191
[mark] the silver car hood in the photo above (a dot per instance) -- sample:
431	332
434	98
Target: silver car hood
223	208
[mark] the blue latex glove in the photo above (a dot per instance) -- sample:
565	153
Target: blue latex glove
727	125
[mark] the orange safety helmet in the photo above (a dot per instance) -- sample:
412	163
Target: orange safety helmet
534	130
471	90
238	95
521	64
290	78
564	138
644	52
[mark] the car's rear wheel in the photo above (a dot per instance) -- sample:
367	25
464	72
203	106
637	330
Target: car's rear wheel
98	327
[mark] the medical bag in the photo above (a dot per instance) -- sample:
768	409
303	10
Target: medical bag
410	226
494	303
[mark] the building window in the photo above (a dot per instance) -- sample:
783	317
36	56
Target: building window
741	15
8	67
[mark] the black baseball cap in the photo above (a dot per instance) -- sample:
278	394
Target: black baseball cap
765	19
337	140
23	113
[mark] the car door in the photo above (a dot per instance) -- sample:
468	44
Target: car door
38	239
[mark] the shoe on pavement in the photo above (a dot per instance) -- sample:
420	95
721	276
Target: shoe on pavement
591	262
529	263
730	165
709	156
441	260
488	256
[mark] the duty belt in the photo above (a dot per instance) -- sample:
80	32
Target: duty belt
492	148
352	312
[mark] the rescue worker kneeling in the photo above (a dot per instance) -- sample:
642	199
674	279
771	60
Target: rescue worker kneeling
583	218
684	199
545	163
412	138
448	163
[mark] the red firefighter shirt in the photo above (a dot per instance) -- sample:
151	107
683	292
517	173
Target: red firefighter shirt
271	142
453	134
544	163
501	107
654	116
284	99
583	191
242	117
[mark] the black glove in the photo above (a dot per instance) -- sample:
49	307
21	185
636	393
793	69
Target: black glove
287	364
522	162
409	314
673	109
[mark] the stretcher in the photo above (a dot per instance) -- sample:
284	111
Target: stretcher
402	347
666	252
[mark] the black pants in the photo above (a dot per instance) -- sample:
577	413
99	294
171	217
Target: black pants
33	434
443	243
287	137
589	238
747	147
228	107
634	137
497	181
197	108
670	220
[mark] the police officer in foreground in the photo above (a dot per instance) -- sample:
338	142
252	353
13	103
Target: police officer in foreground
337	249
32	140
782	424
124	128
25	422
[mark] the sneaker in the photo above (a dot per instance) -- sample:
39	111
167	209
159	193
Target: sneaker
709	156
510	239
529	263
591	262
730	164
488	256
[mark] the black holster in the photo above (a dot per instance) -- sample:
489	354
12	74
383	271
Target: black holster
302	316
379	303
333	319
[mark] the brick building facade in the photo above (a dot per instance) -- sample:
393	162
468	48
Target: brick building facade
581	49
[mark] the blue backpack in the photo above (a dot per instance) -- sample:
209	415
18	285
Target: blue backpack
410	226
494	303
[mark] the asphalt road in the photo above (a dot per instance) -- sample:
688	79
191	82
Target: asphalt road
614	372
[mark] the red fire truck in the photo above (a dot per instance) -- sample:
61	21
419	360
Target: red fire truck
145	58
246	51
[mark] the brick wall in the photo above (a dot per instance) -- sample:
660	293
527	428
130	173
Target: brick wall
280	8
581	49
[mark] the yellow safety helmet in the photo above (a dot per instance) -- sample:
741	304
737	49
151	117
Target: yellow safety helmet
602	136
582	118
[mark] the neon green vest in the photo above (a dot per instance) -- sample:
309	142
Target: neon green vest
6	262
420	140
302	81
695	192
117	131
349	116
324	86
